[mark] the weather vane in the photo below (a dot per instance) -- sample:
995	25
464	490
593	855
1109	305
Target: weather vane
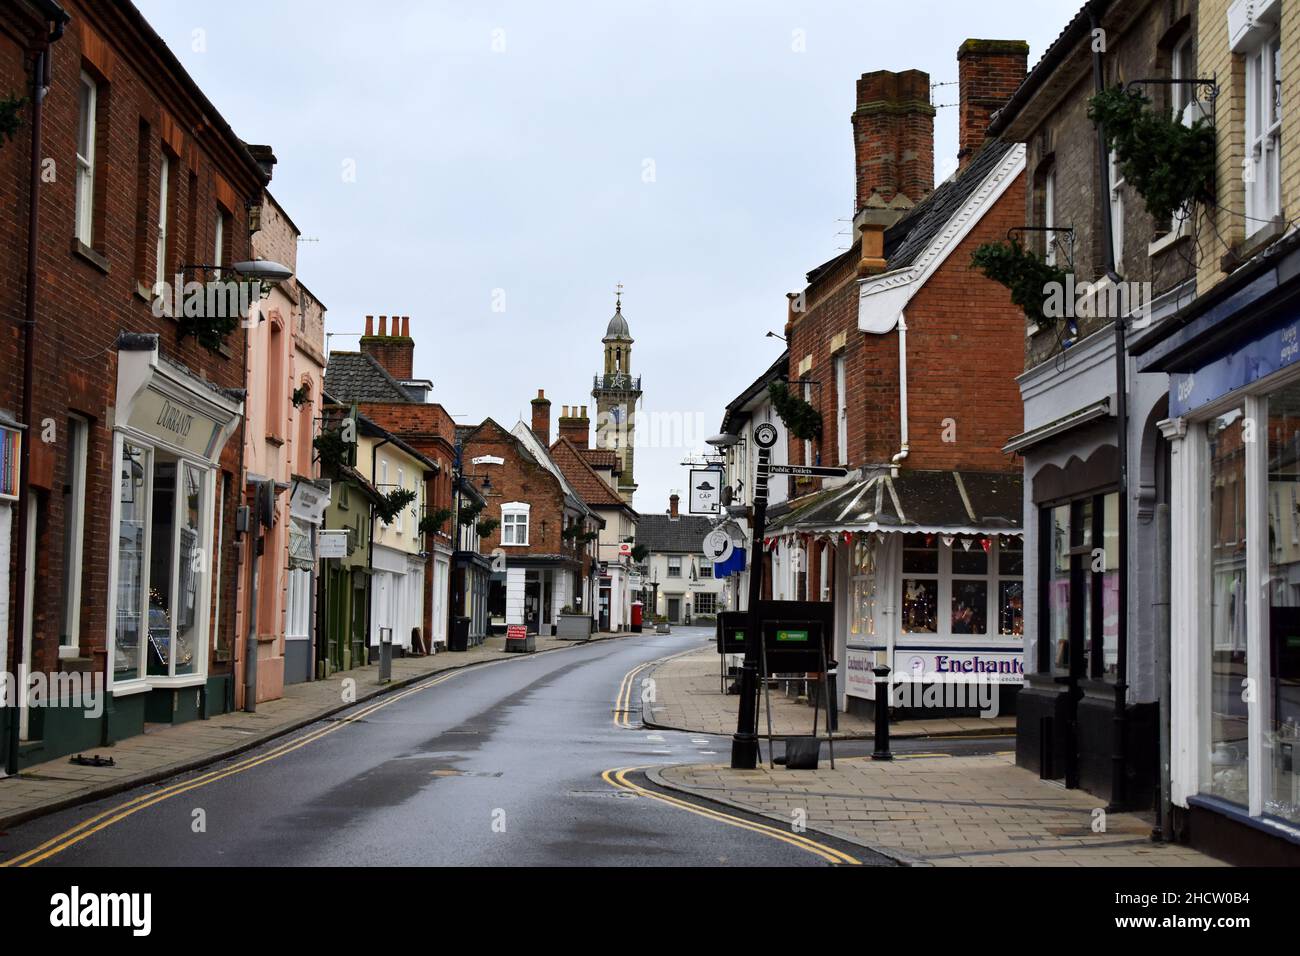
618	296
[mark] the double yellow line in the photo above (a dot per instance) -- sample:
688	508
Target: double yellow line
623	699
617	778
107	818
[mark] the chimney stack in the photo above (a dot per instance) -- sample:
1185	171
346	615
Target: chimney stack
989	72
396	352
542	417
575	425
893	139
673	502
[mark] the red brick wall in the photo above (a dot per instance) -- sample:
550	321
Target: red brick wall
965	345
82	308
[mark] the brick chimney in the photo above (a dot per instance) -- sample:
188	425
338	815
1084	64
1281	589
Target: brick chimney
893	138
575	425
673	502
542	417
989	72
395	352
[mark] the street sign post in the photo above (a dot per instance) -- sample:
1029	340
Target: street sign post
809	471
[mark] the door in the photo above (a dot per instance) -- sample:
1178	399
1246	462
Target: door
675	610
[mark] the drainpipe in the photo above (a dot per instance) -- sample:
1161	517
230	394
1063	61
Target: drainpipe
1163	829
41	81
1119	758
902	396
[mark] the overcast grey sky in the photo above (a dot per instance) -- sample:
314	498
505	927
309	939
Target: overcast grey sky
690	150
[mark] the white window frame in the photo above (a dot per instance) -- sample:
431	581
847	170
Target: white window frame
1263	164
807	444
143	680
401	513
1116	209
841	410
1180	63
219	241
514	516
674	570
164	200
78	443
1049	215
85	196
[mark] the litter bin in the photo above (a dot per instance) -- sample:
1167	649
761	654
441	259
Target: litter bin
637	610
459	640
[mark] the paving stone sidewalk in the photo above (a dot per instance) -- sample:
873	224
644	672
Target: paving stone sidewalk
688	696
163	751
940	811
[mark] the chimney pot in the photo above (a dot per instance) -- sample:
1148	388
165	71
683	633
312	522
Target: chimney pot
370	325
673	502
383	326
406	326
542	417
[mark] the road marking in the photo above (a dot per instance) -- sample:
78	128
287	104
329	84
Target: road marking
657	738
623	699
617	778
107	818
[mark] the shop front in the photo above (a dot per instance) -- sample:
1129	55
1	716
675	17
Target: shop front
1234	432
169	430
396	596
926	573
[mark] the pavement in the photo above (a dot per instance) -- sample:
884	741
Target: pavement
940	802
165	750
689	697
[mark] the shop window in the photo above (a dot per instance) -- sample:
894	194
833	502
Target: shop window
920	584
74	519
1282	731
706	603
1011	587
162	565
1228	759
1081	626
862	621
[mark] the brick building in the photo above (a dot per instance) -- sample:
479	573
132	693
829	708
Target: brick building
133	424
379	381
908	357
1069	440
545	542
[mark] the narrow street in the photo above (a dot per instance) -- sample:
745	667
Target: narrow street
497	765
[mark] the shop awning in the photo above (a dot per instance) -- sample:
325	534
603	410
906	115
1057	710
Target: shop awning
1036	436
915	501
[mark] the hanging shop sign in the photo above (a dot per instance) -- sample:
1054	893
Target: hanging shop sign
706	491
718	546
309	501
332	544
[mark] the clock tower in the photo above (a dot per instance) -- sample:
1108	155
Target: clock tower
617	392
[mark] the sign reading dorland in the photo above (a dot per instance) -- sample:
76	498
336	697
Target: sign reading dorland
706	491
156	414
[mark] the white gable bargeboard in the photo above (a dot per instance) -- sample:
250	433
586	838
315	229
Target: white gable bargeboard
882	298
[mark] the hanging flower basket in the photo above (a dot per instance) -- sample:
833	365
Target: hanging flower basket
803	421
1169	164
1028	277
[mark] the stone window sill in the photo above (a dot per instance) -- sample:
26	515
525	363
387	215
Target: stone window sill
83	251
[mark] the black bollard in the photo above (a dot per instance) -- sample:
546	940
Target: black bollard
882	714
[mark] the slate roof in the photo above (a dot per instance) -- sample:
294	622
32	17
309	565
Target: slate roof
777	370
663	533
912	235
583	478
358	377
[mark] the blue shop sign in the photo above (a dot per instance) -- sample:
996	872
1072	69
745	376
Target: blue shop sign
1259	358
